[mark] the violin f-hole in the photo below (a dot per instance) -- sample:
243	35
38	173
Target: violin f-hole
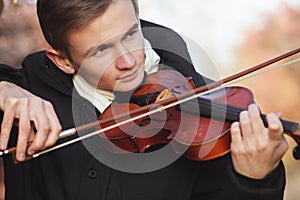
147	121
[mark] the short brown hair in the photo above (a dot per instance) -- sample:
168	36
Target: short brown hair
58	18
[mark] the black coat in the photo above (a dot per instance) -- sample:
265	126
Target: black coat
73	173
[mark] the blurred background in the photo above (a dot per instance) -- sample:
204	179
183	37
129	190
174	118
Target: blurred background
224	37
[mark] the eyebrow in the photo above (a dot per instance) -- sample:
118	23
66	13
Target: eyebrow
94	48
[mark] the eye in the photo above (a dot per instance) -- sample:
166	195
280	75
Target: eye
100	50
130	34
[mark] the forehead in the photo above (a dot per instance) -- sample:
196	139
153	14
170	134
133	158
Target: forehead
116	20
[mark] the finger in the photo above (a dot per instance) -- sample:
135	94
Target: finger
259	130
41	123
274	126
55	126
10	113
32	133
249	141
257	124
236	137
6	126
278	114
40	136
39	141
24	131
237	147
245	125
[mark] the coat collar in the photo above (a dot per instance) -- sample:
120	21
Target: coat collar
45	70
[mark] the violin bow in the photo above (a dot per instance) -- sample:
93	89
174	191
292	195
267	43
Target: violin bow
154	108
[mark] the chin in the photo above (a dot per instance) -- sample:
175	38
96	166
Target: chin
125	87
128	87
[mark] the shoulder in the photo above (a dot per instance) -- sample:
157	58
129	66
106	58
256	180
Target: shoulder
162	37
11	74
39	63
173	50
35	60
39	70
168	44
33	65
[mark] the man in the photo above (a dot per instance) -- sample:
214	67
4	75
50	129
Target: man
100	45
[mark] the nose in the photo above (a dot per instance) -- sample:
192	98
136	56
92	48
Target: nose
126	60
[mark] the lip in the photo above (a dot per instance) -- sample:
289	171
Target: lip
129	76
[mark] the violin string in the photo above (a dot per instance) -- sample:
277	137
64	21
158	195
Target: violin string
232	113
216	110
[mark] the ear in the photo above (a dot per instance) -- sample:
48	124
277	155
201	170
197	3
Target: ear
61	61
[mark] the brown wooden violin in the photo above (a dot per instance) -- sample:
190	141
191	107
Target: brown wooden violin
198	128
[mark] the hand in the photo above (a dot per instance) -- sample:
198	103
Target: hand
257	150
30	112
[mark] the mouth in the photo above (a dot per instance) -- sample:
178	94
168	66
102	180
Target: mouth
131	75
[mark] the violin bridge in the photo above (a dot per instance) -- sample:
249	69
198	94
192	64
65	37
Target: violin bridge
165	94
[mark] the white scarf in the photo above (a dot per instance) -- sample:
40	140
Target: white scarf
101	99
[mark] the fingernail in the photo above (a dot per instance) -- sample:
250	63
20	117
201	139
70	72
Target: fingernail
244	115
2	145
274	126
235	125
30	152
21	156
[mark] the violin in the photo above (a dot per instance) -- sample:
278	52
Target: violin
198	128
168	108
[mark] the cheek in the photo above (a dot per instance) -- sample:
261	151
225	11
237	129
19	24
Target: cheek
107	79
92	73
139	56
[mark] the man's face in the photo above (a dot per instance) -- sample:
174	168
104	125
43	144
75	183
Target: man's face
108	52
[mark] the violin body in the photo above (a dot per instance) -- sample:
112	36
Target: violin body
197	137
